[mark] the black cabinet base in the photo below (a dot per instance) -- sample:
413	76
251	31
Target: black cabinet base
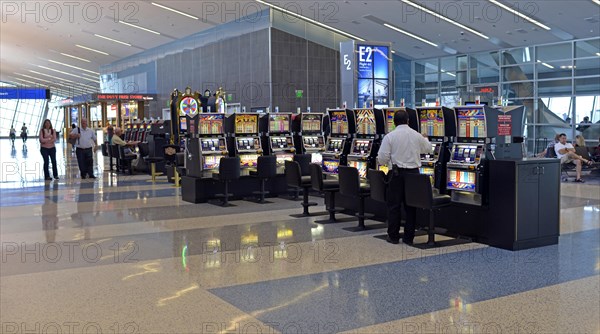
201	190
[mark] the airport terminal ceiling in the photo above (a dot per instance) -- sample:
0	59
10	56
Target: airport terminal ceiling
63	44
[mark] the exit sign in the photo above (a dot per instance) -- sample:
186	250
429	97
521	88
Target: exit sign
299	94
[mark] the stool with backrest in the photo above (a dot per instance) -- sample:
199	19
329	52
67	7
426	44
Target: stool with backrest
104	148
110	157
351	186
329	187
266	168
126	159
419	194
171	161
294	179
304	161
114	151
229	170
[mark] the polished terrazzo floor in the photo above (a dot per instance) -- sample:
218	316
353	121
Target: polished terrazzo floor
122	254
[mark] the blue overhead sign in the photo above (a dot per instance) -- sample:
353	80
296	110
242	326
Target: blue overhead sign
7	93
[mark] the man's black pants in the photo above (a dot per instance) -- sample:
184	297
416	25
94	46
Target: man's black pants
396	198
85	160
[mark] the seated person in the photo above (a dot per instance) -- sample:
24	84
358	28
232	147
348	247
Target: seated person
116	140
579	141
546	153
566	153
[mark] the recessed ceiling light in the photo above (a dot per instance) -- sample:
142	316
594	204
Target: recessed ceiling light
597	2
547	65
112	39
174	10
75	67
34	78
90	49
429	11
51	76
291	13
141	28
410	34
75	57
516	12
598	53
568	66
450	74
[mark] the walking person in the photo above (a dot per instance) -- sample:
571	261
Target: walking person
402	148
48	149
13	135
85	148
24	132
110	131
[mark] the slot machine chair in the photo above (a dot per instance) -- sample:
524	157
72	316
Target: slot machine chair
229	170
304	160
419	194
294	179
328	187
111	163
114	152
171	152
378	182
266	168
351	186
104	148
126	160
153	161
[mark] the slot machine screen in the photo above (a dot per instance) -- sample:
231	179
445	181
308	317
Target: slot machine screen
279	123
432	122
471	123
461	180
248	160
246	144
339	122
311	123
362	146
282	158
361	166
246	124
336	145
211	161
183	124
331	166
389	121
211	124
467	153
365	121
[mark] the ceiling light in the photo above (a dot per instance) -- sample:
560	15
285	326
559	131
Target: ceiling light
516	12
568	66
141	28
90	49
31	82
429	11
34	78
598	53
112	39
410	34
75	67
547	65
450	74
174	10
66	73
75	57
51	76
283	10
393	51
597	2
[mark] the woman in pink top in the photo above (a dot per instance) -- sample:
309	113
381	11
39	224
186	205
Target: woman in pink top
47	139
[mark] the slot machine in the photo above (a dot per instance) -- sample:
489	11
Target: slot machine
244	138
439	125
188	104
207	146
309	135
277	136
466	169
128	129
370	128
388	114
342	129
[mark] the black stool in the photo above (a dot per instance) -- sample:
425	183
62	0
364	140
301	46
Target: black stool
304	161
229	169
153	161
419	194
126	159
351	186
294	179
265	169
104	148
110	157
171	152
329	187
114	152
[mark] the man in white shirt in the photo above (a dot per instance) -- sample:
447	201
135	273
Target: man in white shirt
86	145
402	149
566	153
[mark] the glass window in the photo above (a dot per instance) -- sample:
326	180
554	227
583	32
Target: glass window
462	62
429	95
547	53
518	90
426	66
426	81
587	106
448	78
518	73
584	67
587	86
589	48
517	56
485	59
485	75
7	111
448	64
554	69
555	110
555	88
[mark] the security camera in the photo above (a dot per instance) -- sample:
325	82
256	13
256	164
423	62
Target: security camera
462	33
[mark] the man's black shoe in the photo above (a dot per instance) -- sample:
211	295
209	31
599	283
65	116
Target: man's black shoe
92	177
408	242
392	241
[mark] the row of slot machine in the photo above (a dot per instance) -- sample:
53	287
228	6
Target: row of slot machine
462	139
209	137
